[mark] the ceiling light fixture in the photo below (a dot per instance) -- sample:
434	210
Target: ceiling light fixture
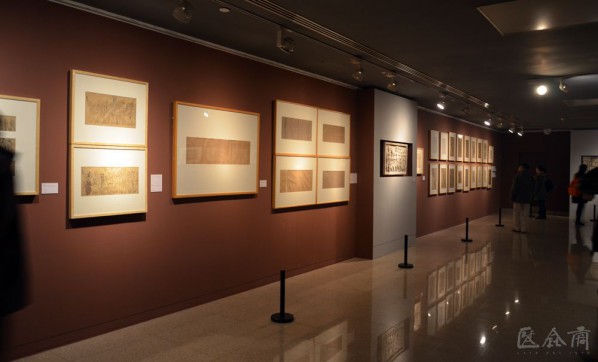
511	130
358	73
441	105
541	89
466	110
520	132
183	12
392	80
283	42
563	87
224	10
488	122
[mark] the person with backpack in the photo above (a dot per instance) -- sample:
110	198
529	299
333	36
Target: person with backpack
575	193
541	191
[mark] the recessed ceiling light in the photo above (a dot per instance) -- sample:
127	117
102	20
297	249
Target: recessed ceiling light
441	105
541	89
224	10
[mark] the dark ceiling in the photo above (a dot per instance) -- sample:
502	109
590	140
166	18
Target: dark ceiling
482	57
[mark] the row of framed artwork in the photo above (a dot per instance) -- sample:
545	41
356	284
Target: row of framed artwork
449	146
215	150
451	177
311	156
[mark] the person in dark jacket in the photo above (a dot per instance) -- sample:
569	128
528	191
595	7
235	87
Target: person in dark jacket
521	196
12	275
589	188
575	193
540	191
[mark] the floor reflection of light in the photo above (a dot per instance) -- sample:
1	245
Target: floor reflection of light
483	340
516	301
507	313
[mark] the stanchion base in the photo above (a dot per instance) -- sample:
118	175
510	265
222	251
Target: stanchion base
499	225
467	240
282	318
405	266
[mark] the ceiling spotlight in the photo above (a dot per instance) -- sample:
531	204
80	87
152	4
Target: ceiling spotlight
392	80
563	87
541	90
358	73
511	130
183	12
283	42
441	105
520	132
488	122
466	110
392	86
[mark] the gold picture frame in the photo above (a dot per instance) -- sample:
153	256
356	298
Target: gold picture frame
19	134
294	182
295	129
107	181
215	151
108	110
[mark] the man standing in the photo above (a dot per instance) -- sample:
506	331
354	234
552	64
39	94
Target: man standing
540	191
521	196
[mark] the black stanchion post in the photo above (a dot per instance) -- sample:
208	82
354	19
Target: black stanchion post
499	218
594	218
282	317
467	239
405	264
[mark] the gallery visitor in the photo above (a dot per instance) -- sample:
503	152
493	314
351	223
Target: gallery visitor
575	193
540	191
521	196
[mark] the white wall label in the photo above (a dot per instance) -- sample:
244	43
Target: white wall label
156	183
263	183
50	188
353	178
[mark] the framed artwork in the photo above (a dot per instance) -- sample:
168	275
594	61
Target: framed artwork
215	151
485	151
107	181
444	146
473	180
479	177
19	133
457	301
443	178
394	158
294	181
420	161
434	145
473	148
479	152
489	177
432	286
107	110
452	155
490	154
334	132
433	178
590	161
466	177
489	274
449	307
432	319
333	180
459	148
485	176
295	128
417	315
466	148
452	178
460	176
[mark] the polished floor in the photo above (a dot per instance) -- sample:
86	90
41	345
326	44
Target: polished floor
505	296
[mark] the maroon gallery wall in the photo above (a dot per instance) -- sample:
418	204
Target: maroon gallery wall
441	211
94	276
536	148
